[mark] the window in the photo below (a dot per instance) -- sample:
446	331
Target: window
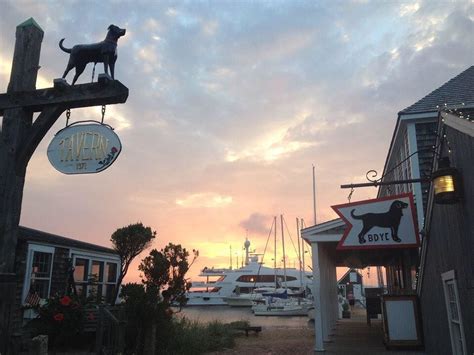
95	276
264	278
39	267
458	340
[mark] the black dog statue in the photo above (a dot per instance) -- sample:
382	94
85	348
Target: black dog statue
390	219
102	52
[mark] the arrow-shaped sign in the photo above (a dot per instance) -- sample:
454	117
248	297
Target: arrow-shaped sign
388	222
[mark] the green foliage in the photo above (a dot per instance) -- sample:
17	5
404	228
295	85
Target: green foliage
192	338
166	269
345	306
147	305
142	307
128	242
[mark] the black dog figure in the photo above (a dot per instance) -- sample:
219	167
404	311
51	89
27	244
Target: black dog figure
390	219
102	52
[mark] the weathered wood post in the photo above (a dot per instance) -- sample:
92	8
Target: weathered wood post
16	122
19	137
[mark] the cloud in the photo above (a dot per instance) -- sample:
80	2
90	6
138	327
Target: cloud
232	102
204	199
257	223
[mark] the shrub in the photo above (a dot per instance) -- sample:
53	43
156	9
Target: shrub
62	319
193	338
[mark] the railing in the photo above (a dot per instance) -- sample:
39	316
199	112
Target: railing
110	333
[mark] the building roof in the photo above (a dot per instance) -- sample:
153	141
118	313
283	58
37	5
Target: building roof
346	275
34	235
456	91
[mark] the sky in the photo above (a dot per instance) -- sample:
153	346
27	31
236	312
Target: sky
231	104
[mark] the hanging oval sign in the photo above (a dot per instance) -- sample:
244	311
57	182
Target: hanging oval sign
84	149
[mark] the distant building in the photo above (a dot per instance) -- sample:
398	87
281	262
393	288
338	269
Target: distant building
446	281
44	262
351	286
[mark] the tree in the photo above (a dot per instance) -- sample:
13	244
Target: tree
166	269
147	305
128	242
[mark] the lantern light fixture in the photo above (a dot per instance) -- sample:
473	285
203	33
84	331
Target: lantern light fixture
446	183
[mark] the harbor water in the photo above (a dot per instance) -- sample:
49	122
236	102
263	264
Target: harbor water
226	314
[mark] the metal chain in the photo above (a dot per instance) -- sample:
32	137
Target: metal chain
350	194
103	113
68	115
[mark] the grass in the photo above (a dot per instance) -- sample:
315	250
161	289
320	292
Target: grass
192	338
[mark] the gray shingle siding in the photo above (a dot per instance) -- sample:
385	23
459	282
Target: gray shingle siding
459	89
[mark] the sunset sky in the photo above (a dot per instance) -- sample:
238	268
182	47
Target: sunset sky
231	103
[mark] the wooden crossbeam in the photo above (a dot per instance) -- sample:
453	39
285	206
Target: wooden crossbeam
84	95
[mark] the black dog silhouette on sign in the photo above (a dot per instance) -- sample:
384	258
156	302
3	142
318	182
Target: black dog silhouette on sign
390	219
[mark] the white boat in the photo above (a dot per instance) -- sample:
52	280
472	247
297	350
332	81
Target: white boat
221	284
282	307
247	299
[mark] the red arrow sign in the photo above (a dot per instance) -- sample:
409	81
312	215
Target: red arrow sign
388	222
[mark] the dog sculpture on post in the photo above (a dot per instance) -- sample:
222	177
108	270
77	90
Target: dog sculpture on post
102	52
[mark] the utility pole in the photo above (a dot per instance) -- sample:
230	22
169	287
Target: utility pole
19	138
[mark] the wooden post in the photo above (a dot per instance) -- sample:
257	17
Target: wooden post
15	125
19	137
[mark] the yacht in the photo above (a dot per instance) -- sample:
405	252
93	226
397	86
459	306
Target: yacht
237	285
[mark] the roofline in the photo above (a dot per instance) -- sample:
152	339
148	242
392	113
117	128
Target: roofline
37	236
321	227
348	271
458	106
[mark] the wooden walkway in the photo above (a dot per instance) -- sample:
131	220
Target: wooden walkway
354	336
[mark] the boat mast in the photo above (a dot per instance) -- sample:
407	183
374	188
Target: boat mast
314	197
230	246
299	249
302	244
283	245
275	251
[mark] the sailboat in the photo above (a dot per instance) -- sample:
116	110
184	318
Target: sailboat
282	306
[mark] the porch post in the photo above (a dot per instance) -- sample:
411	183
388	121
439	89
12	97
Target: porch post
317	292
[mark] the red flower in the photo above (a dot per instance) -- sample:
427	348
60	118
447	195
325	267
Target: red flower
65	301
58	317
90	316
114	150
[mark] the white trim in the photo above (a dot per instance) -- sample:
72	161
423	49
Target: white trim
417	116
95	256
415	171
323	238
29	261
448	277
325	226
459	124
